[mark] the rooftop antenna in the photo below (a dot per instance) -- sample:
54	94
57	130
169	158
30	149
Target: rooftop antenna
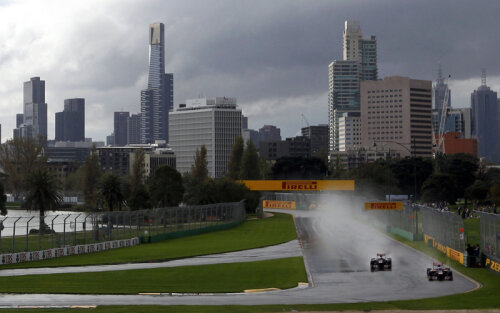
483	77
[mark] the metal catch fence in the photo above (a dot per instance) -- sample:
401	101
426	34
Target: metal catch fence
404	219
446	228
23	233
490	234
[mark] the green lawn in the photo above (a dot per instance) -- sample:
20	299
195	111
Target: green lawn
251	234
472	230
232	277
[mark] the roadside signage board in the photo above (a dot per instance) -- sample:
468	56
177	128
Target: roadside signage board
384	205
299	185
271	204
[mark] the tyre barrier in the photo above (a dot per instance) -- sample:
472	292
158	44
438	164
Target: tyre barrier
19	257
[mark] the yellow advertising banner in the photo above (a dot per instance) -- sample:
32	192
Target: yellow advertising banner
299	185
455	255
492	265
270	204
384	205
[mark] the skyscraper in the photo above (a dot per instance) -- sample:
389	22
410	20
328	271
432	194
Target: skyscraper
359	63
157	99
70	123
485	110
35	110
134	129
121	128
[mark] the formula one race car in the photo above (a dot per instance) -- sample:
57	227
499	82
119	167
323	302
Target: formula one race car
380	263
439	272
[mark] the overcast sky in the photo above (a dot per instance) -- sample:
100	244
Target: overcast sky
271	55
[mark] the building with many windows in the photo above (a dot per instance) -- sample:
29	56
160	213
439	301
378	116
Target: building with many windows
158	99
214	123
35	110
270	133
318	137
397	111
349	130
120	121
70	123
344	76
485	119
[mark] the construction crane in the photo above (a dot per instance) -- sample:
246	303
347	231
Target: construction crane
305	119
442	123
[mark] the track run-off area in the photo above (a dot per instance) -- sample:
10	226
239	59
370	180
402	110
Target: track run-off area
336	250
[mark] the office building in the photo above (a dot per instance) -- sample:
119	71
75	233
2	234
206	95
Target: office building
457	120
349	130
153	159
485	119
318	137
117	159
269	133
121	128
252	135
344	76
110	139
19	119
70	123
134	129
397	110
35	110
354	157
215	123
158	99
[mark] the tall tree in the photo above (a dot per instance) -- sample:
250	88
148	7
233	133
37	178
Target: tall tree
138	171
439	187
91	176
17	157
234	166
404	171
299	168
139	195
111	191
199	170
166	187
250	163
42	193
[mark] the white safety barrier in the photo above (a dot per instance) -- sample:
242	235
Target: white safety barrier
19	257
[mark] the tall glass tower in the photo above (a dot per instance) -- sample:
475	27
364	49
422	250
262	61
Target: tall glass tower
34	122
157	99
485	108
359	63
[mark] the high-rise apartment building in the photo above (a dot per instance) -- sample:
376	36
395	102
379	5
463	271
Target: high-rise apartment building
397	110
214	123
157	100
485	116
359	63
70	123
35	110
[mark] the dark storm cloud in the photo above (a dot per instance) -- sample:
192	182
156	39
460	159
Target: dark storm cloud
271	55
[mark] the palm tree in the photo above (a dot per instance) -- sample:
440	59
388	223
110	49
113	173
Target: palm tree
111	190
42	193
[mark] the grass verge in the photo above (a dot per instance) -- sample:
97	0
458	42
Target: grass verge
251	234
219	278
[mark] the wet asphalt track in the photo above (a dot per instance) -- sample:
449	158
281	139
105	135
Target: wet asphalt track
337	256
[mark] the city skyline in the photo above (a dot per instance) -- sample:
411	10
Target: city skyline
273	58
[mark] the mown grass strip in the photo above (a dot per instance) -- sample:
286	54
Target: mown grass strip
251	234
219	278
